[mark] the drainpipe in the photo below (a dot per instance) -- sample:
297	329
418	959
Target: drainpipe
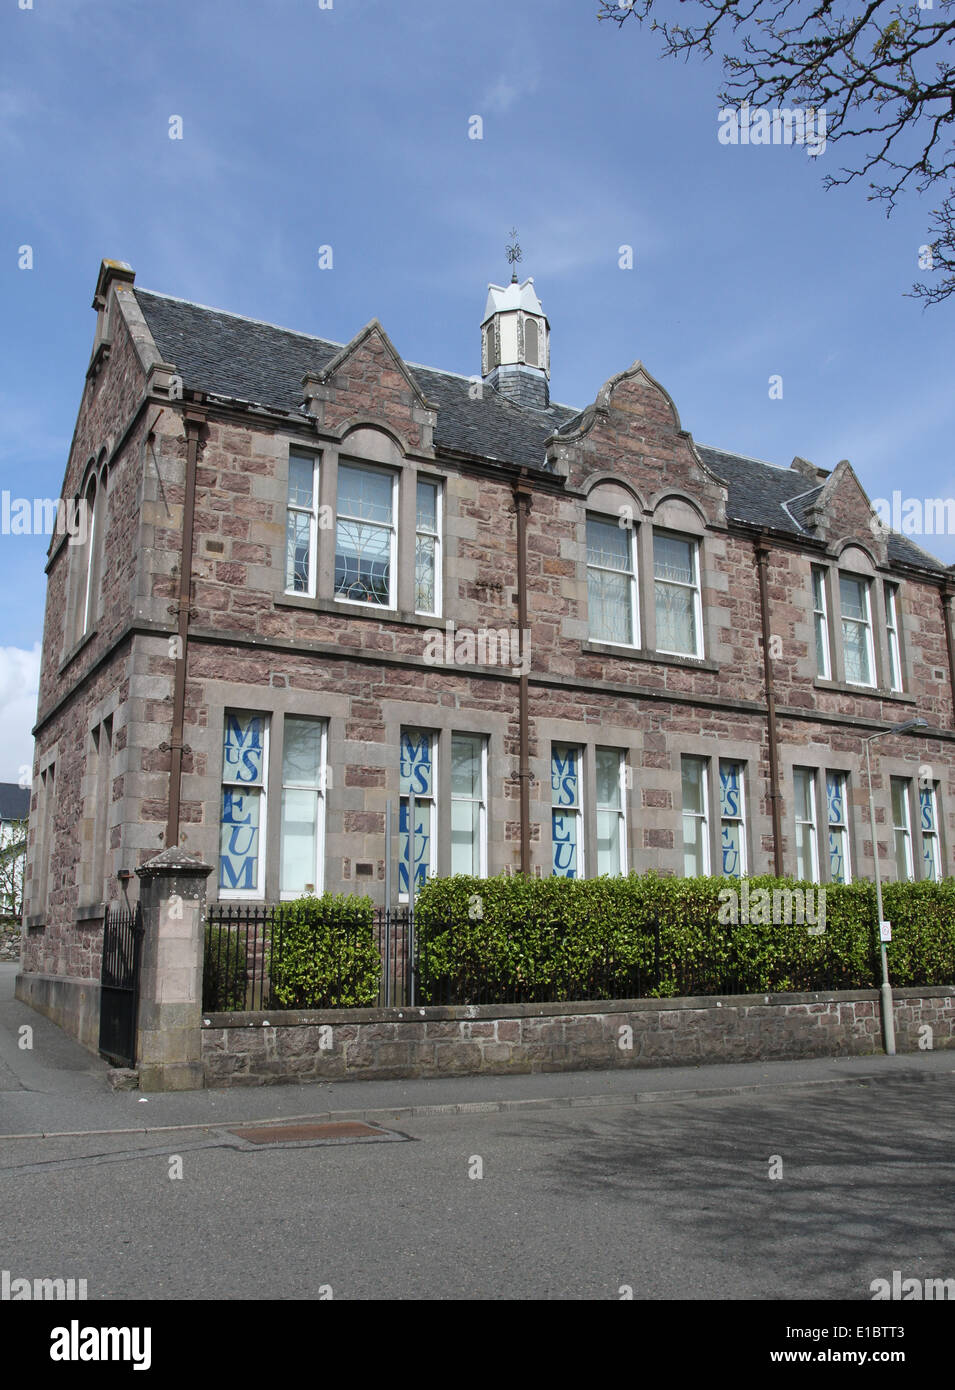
522	504
762	558
193	420
947	614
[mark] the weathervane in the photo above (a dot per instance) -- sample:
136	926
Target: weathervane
514	254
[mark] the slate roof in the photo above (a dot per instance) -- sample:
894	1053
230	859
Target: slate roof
14	801
241	358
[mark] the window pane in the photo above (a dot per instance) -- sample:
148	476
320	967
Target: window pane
694	849
676	619
298	547
565	775
564	831
673	559
422	845
804	855
802	786
363	563
530	343
466	837
243	746
693	785
852	593
416	771
608	545
609	607
732	849
239	839
608	778
424	572
466	767
855	642
427	518
608	842
301	475
364	493
299	838
302	754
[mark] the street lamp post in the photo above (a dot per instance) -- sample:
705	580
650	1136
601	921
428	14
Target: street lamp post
888	1020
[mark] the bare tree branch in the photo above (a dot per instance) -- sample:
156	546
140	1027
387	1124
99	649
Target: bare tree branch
884	76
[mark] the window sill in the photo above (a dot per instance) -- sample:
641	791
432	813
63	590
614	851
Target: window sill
872	691
90	912
74	652
359	610
693	663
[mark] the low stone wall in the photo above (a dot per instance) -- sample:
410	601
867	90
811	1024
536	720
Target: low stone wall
253	1049
71	1003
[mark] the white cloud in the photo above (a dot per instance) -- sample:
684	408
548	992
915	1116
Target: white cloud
19	687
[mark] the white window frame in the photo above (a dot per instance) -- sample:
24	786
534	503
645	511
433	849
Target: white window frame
694	544
90	556
433	744
703	815
813	825
246	894
620	810
320	791
482	802
436	537
631	574
866	622
820	616
893	637
312	513
739	819
905	830
357	465
841	827
576	811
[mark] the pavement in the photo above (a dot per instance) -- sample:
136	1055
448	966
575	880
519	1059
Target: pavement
57	1089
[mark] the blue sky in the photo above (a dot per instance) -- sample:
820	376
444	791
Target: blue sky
348	127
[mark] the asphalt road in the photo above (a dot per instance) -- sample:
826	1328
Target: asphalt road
672	1199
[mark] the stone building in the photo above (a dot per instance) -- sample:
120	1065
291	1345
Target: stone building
317	579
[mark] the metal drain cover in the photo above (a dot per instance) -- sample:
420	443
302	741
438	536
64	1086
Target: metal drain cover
326	1132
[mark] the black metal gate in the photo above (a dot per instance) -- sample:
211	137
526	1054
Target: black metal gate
119	984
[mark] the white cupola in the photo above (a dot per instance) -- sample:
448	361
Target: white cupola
515	343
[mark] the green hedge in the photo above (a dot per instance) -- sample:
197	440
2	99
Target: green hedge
324	954
490	940
224	971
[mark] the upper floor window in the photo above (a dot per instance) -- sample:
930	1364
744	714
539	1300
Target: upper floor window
892	635
366	536
679	617
820	617
857	630
301	528
428	548
611	583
